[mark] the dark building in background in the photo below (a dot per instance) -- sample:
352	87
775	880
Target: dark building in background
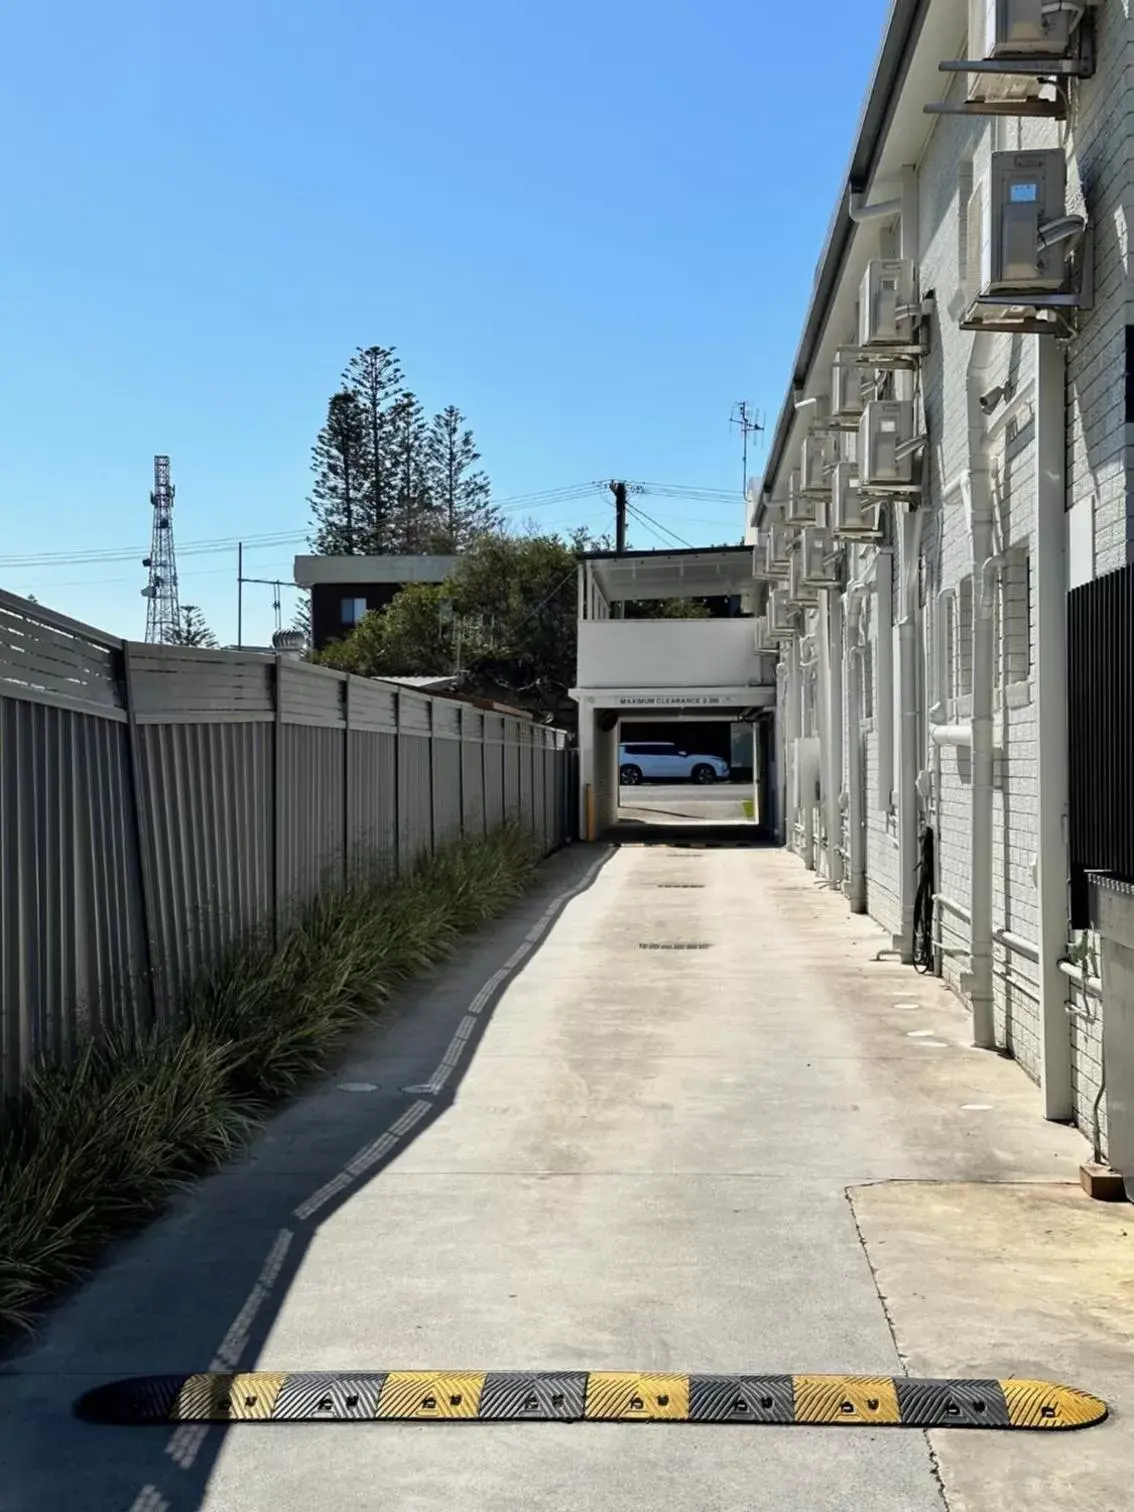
344	588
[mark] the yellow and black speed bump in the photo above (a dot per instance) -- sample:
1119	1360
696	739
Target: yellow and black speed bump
435	1396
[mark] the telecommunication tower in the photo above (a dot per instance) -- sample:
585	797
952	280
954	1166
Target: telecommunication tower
163	611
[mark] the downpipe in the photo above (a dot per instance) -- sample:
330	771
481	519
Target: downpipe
856	776
908	837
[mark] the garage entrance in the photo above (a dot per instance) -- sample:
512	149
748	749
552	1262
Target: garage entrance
691	694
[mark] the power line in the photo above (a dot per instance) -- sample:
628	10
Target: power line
661	531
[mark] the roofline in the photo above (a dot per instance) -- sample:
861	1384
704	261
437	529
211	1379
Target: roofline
678	551
898	42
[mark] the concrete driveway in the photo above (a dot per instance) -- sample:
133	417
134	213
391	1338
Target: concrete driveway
685	803
777	1154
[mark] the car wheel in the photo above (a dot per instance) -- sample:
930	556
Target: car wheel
704	774
630	776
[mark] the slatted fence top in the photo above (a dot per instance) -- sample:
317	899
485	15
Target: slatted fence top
48	658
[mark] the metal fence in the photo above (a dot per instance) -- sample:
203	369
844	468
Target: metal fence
1101	731
156	802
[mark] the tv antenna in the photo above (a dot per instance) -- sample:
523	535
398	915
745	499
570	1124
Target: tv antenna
750	424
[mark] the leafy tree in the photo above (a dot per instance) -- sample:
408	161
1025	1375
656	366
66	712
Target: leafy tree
191	629
301	619
459	494
341	462
411	637
687	608
374	376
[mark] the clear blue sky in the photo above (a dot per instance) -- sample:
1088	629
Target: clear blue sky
593	227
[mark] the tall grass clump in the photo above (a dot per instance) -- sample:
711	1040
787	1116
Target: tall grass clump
92	1149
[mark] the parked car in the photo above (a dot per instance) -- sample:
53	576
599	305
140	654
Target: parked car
661	761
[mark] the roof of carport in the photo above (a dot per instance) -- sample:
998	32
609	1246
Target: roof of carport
700	572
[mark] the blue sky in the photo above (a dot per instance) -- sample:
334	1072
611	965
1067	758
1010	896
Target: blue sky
593	227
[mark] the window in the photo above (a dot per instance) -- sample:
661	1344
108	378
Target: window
965	639
1013	620
353	610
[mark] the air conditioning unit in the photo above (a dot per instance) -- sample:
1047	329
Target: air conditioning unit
1021	28
886	425
852	515
800	590
813	463
762	639
801	506
818	553
887	305
846	388
781	615
1019	236
765	563
781	537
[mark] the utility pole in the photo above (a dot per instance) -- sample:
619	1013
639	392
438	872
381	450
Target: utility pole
618	609
749	425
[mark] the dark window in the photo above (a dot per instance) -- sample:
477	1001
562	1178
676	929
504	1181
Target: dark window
353	610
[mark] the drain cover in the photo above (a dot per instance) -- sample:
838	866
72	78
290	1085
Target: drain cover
665	945
596	1396
681	886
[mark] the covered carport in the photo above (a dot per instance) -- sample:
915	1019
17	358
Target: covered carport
638	669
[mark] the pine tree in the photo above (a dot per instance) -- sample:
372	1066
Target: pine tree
460	494
374	376
340	460
191	629
415	515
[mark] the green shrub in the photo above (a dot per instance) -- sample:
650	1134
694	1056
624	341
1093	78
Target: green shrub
91	1150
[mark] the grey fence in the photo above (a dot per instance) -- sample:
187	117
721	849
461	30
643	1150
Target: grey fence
156	802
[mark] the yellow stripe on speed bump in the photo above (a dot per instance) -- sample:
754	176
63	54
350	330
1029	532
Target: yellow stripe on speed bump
846	1399
600	1396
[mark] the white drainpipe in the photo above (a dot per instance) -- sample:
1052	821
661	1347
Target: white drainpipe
908	847
835	735
977	491
856	839
1053	866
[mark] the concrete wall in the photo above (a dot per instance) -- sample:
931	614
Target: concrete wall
668	653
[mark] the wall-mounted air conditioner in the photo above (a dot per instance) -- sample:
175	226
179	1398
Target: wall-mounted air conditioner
801	591
762	640
851	514
781	541
813	464
1019	235
887	424
1021	28
765	563
781	615
801	506
887	306
818	553
846	388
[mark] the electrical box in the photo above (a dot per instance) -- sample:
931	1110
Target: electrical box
1021	28
801	506
851	514
888	303
846	388
887	424
1022	193
813	462
819	555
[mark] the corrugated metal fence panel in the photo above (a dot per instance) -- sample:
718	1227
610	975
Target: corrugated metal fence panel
472	787
1101	733
373	797
512	809
494	770
447	778
311	695
373	705
47	658
72	945
415	798
414	713
205	797
527	779
311	811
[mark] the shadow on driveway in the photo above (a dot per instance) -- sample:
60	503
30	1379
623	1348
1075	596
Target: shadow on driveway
201	1288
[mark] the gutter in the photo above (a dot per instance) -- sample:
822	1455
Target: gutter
902	31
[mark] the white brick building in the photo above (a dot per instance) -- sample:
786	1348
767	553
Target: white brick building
921	622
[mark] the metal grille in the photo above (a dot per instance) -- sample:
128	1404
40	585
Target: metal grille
1101	733
666	945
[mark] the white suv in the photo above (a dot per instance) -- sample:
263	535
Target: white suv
660	761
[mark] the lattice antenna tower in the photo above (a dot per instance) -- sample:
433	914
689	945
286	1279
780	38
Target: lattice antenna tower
163	610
